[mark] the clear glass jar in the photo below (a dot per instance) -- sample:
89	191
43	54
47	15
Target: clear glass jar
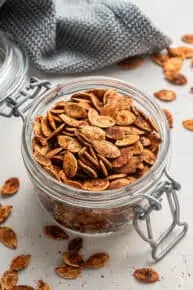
93	212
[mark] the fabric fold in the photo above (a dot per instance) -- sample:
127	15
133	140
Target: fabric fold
79	36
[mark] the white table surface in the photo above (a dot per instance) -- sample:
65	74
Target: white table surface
126	251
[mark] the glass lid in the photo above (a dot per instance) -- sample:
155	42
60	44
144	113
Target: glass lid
13	68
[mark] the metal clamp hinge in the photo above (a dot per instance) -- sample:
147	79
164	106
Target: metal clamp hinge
166	241
22	101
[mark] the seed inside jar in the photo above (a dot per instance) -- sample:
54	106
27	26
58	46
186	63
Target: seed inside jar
85	141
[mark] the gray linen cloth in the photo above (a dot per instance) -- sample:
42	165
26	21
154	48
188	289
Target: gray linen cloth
71	36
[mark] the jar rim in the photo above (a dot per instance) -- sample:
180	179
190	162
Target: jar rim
79	197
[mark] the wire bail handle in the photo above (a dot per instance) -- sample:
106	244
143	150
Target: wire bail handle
165	242
19	104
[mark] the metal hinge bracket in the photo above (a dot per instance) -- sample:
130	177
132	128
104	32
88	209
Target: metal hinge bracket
22	101
161	246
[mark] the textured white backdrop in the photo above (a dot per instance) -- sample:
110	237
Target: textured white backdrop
127	251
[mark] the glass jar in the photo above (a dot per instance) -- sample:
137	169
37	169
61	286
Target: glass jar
93	212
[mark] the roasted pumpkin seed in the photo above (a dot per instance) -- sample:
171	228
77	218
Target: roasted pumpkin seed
182	51
5	212
110	96
97	260
71	121
75	245
116	176
146	275
130	167
173	65
165	95
103	168
188	124
115	133
123	159
69	143
70	165
106	149
106	162
74	110
20	262
37	126
169	118
92	133
129	140
148	156
54	232
73	259
177	79
42	285
8	280
51	120
117	183
188	38
99	93
160	58
68	272
10	186
45	127
56	132
124	118
73	183
87	169
96	184
100	121
39	144
42	159
110	109
142	124
8	237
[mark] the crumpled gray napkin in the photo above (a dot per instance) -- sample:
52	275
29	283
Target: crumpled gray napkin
71	36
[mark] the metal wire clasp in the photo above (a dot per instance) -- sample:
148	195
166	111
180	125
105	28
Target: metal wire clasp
22	101
161	246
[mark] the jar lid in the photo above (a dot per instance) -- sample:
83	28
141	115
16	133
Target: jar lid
13	68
